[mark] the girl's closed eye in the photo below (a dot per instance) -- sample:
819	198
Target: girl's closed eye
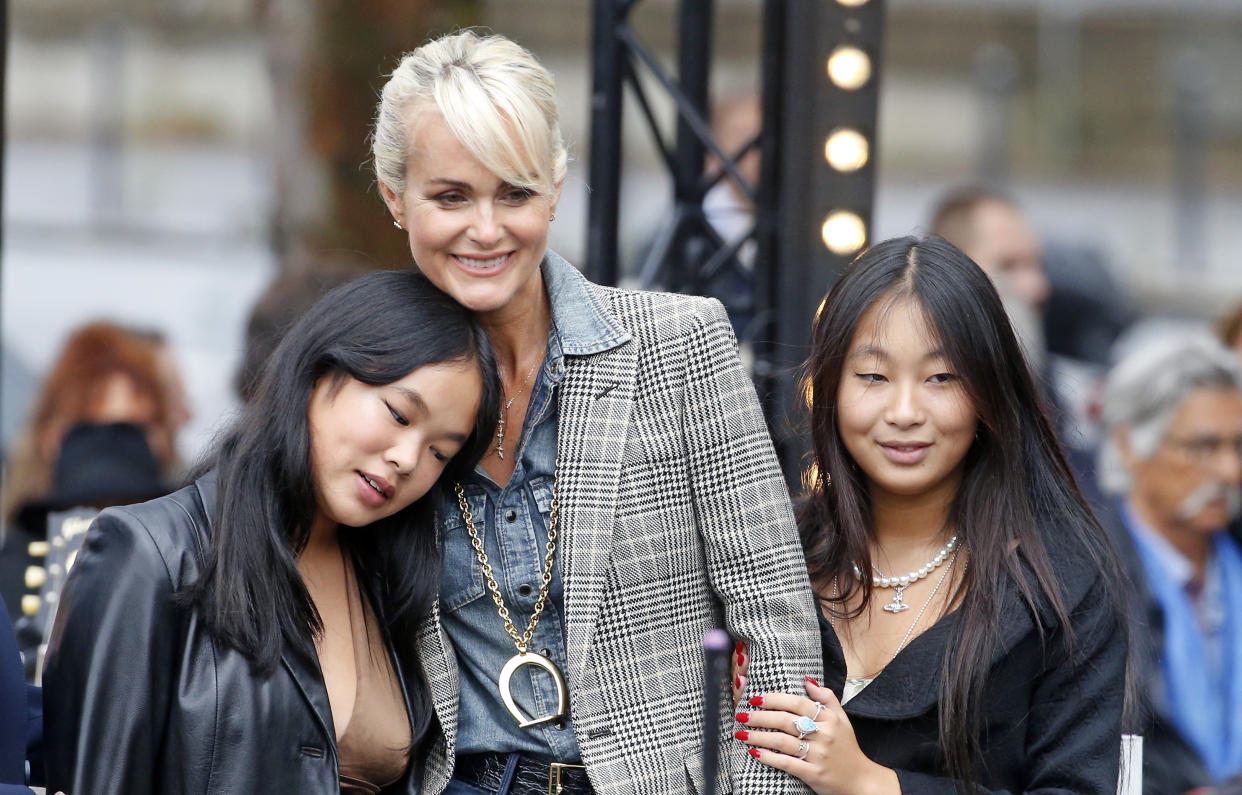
396	415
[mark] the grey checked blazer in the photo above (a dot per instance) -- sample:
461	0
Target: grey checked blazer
675	519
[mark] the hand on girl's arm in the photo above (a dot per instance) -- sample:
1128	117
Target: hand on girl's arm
741	663
827	759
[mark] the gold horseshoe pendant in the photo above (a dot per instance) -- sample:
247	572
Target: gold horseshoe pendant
506	694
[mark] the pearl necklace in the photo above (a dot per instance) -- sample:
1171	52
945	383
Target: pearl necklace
904	581
832	619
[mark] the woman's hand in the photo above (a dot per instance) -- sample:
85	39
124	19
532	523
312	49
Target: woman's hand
741	662
827	759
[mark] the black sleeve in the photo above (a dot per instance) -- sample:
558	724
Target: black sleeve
1073	739
110	663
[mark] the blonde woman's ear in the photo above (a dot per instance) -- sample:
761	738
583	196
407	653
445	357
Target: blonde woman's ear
391	199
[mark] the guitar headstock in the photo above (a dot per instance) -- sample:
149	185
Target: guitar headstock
66	531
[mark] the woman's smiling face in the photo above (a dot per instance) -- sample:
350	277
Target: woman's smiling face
902	412
477	237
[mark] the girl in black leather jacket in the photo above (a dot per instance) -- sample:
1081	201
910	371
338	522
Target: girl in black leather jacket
254	631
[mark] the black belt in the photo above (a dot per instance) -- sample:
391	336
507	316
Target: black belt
533	776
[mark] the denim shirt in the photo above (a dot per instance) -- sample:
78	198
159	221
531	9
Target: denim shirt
1209	604
513	523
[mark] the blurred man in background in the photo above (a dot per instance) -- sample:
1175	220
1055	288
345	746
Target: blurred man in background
989	227
1172	461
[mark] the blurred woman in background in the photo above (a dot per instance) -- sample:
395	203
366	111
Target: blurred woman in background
105	375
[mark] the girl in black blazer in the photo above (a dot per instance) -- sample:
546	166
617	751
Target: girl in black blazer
970	614
254	632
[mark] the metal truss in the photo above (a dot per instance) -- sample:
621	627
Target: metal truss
772	295
687	254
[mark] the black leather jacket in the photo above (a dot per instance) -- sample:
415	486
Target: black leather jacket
139	698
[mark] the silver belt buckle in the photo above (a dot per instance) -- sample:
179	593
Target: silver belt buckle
555	786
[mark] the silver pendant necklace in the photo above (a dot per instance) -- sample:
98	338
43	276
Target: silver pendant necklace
900	584
832	620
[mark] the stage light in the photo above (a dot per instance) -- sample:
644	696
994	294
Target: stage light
844	233
852	3
847	149
849	68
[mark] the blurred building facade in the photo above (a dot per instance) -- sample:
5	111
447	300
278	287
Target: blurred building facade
159	158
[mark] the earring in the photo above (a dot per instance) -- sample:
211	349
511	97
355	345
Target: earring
553	218
397	224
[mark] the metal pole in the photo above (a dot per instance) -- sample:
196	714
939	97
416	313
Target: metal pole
605	168
767	283
693	69
1191	119
996	78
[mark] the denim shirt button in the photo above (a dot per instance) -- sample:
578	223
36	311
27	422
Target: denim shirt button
510	516
525	590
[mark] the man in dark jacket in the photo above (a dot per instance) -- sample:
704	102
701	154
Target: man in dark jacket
1172	460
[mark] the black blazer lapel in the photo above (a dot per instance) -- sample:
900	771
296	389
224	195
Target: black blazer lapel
303	665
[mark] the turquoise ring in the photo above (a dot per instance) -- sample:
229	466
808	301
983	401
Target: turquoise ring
805	726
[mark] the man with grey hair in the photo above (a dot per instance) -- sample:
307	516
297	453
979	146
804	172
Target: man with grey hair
1172	459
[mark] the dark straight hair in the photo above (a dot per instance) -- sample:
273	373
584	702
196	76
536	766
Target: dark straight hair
376	329
1015	487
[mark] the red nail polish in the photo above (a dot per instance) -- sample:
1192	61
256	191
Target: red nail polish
739	649
741	660
737	682
753	752
756	701
742	717
741	734
811	679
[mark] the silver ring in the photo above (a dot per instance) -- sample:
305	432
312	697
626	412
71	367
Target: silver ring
805	726
804	748
818	709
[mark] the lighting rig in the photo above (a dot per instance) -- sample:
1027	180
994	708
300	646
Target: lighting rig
820	76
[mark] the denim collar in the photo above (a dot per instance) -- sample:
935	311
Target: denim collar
584	324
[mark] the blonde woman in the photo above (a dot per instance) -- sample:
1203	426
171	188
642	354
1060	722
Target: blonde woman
630	499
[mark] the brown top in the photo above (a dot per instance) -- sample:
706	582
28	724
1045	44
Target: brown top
374	746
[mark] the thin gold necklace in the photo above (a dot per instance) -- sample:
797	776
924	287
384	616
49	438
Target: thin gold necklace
500	424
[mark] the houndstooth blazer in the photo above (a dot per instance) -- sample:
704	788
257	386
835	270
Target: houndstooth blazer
674	519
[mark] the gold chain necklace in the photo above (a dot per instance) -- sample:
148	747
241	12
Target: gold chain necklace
500	424
522	642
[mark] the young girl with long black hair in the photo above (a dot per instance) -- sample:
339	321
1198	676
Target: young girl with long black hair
256	631
970	603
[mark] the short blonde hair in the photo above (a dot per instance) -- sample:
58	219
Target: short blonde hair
496	98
